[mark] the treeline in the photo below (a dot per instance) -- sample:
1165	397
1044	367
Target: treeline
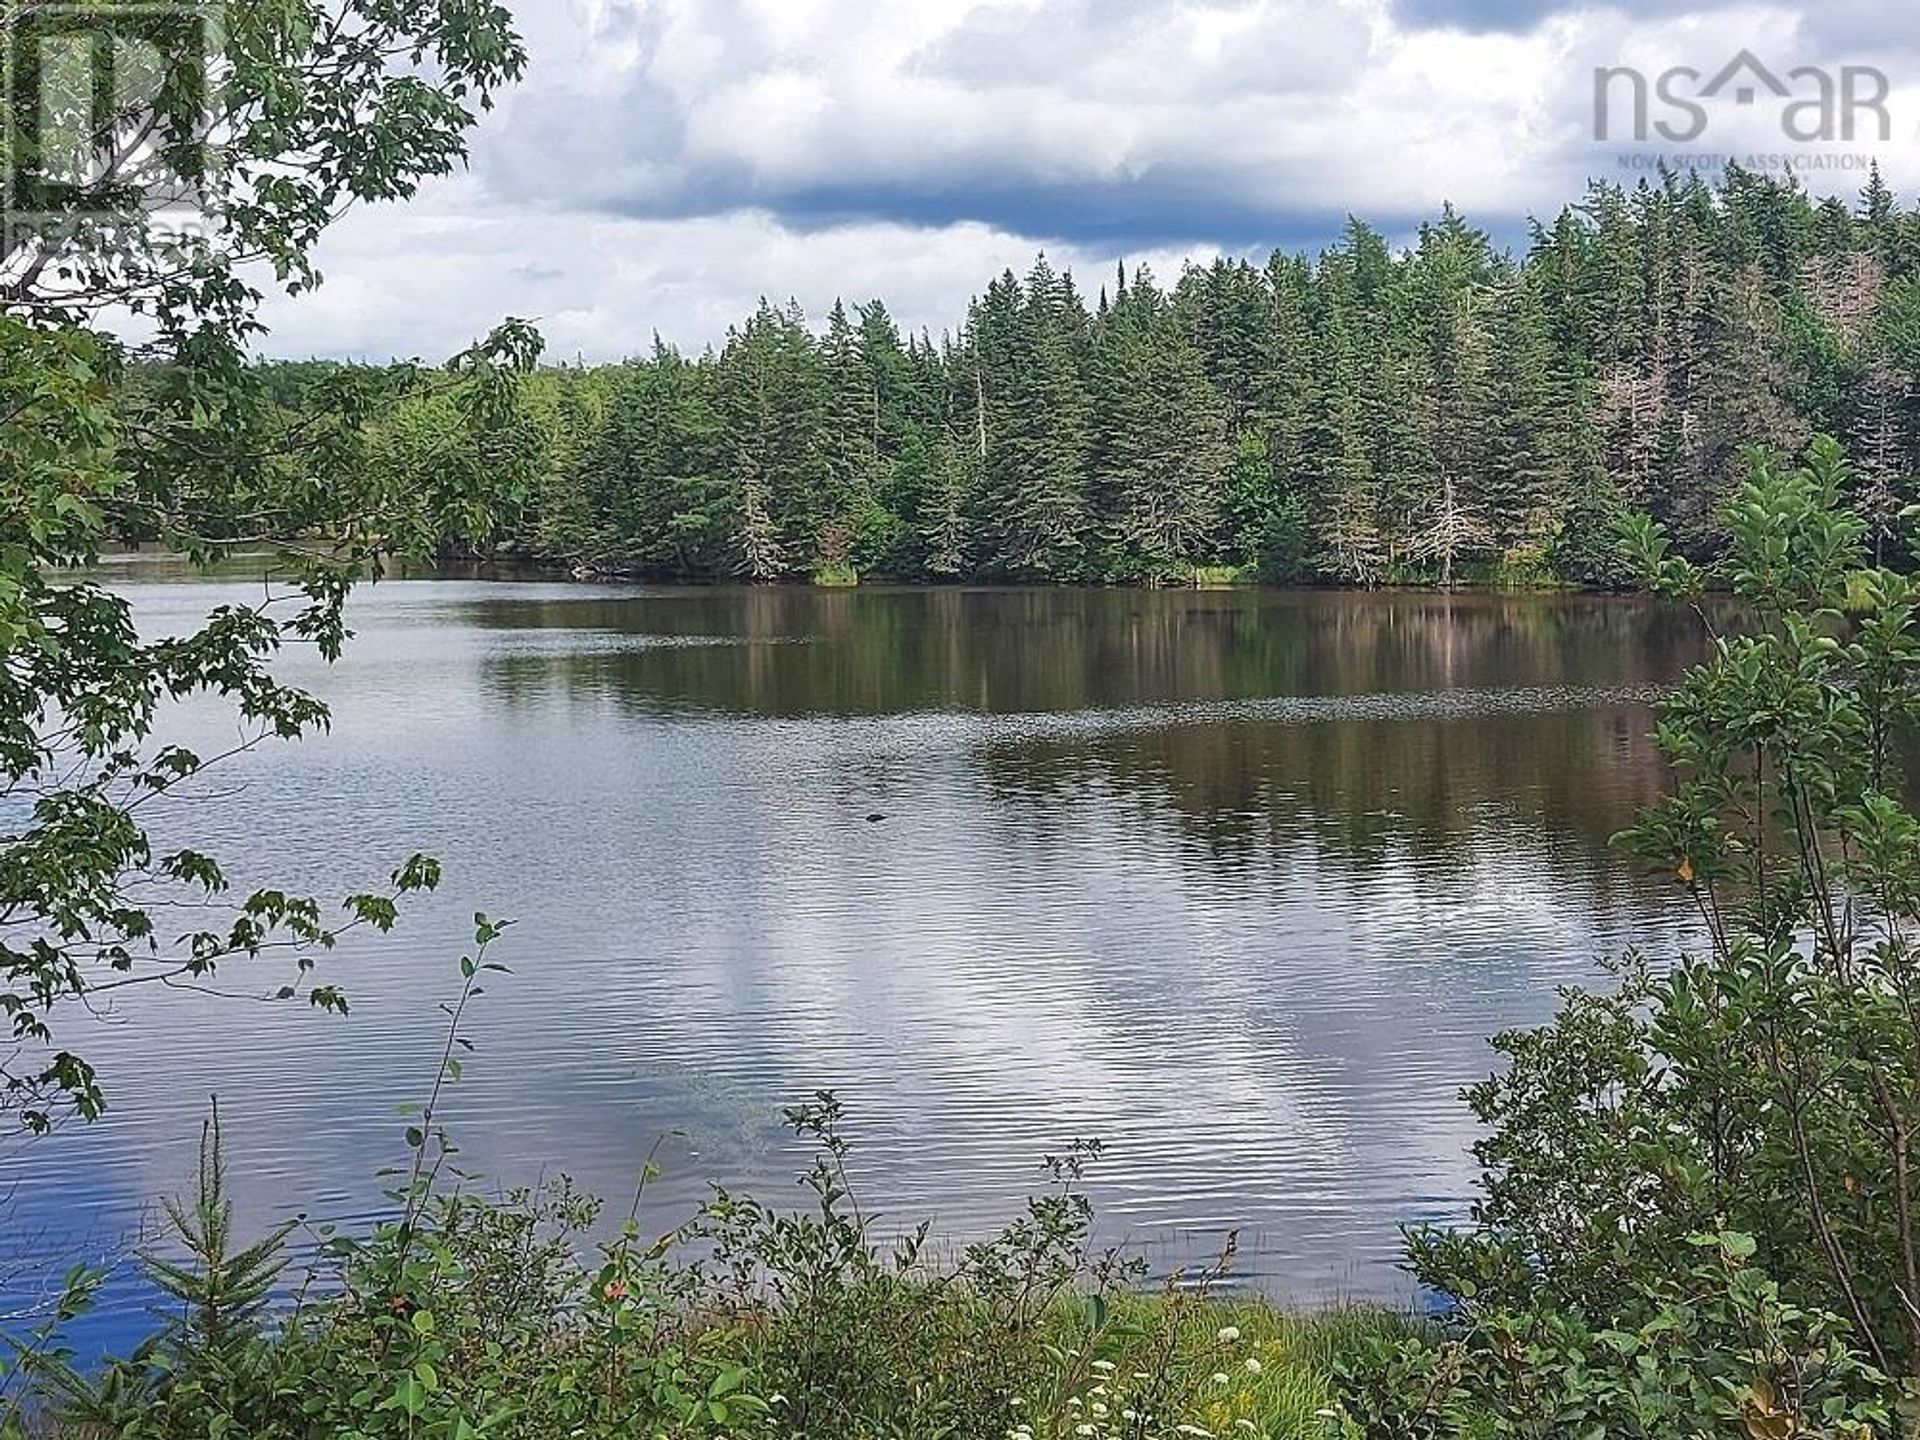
1440	413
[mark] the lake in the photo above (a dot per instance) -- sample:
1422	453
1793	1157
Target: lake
1236	882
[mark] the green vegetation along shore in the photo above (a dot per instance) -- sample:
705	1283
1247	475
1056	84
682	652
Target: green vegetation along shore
1441	414
468	1316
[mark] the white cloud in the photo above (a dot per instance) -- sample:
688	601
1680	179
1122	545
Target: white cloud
666	161
425	283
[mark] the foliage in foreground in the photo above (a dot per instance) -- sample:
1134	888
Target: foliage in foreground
470	1317
175	440
1700	1211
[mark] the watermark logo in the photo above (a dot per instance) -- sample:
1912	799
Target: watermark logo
108	115
1810	104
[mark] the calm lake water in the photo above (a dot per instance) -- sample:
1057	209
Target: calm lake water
1236	882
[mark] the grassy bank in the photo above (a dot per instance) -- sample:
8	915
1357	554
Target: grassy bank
1155	1367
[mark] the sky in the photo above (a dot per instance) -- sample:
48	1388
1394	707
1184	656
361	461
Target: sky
665	163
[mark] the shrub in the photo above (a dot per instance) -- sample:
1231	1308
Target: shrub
836	576
1699	1202
1709	1349
862	1334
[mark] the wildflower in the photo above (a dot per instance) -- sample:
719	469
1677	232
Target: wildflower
615	1290
1220	1377
1229	1334
1253	1365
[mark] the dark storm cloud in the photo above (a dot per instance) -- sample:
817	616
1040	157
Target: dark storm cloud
1150	211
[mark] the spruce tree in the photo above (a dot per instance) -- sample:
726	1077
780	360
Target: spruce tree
1741	398
1344	508
1372	415
1038	434
851	523
1162	451
772	405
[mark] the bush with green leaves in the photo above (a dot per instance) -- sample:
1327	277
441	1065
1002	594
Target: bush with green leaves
1703	1185
864	1332
1709	1348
